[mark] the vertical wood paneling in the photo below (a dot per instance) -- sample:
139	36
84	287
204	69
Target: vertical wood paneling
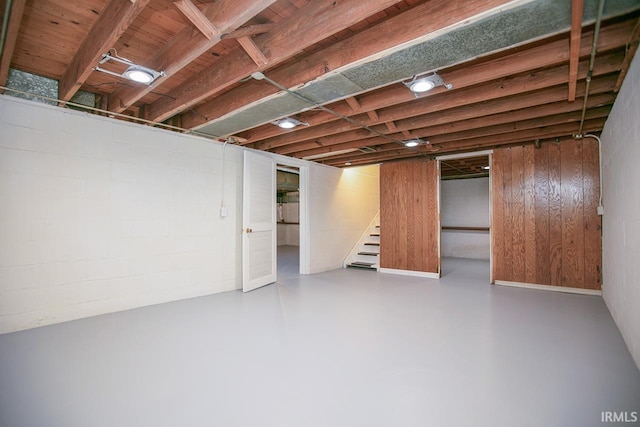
545	226
542	242
517	212
529	215
572	213
555	217
388	218
415	211
507	234
497	216
432	217
592	221
408	216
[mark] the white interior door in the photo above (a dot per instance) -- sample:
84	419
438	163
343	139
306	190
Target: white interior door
258	221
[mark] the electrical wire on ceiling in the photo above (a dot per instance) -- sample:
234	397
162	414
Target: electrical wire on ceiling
260	76
579	135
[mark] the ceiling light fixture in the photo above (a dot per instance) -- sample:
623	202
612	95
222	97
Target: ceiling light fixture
289	123
414	142
486	167
134	72
426	83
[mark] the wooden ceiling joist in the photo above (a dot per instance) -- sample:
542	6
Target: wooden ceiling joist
529	136
550	54
536	116
196	17
393	32
225	15
253	51
248	31
498	89
458	122
289	37
574	58
631	49
113	21
353	103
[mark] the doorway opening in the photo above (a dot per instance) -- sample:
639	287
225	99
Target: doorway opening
465	208
288	220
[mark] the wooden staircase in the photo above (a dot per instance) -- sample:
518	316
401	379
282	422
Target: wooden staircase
366	254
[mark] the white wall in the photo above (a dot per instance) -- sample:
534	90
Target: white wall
621	220
99	215
465	203
343	203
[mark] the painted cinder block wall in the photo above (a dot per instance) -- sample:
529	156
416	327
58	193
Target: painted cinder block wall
621	219
99	215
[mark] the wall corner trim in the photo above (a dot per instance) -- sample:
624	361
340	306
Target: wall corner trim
568	290
410	273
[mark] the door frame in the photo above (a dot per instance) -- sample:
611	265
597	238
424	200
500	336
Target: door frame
303	169
464	156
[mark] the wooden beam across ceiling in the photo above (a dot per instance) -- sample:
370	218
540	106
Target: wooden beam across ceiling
248	31
574	58
549	54
288	38
528	136
197	18
517	84
253	51
113	21
396	31
11	35
472	117
225	15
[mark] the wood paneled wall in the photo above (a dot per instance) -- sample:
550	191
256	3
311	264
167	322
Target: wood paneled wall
409	216
545	225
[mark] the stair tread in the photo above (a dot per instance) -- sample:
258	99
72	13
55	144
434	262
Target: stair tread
372	244
363	264
375	234
369	253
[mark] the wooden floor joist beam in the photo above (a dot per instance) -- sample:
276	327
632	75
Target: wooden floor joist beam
493	90
224	15
279	44
396	31
113	21
550	54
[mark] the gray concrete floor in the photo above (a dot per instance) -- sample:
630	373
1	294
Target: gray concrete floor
342	348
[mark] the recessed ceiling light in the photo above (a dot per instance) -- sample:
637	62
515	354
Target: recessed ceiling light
134	72
137	74
422	85
288	123
486	167
347	163
426	83
413	142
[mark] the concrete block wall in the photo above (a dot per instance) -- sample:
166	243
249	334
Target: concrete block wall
621	220
99	215
343	203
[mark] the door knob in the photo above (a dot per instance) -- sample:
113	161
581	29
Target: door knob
248	230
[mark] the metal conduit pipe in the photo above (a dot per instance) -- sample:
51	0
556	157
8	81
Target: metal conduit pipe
592	60
579	135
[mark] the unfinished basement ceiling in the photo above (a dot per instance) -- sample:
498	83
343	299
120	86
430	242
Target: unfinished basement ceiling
516	76
463	168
